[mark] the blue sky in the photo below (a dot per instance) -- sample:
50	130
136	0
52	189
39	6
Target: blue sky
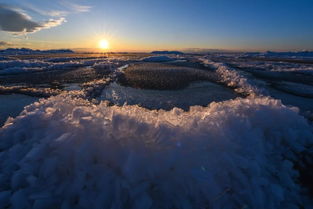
161	24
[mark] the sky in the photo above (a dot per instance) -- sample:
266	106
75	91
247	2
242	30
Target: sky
144	25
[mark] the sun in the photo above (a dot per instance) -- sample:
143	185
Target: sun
103	44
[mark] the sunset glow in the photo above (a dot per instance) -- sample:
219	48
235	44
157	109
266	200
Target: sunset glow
103	44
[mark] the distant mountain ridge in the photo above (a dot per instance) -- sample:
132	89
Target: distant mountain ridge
25	51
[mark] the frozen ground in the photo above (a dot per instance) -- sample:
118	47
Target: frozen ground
111	134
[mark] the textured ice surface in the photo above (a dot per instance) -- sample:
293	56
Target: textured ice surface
291	54
60	63
198	93
290	82
26	51
163	75
277	66
65	152
236	79
297	88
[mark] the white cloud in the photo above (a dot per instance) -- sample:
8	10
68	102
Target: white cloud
76	7
57	13
53	22
18	22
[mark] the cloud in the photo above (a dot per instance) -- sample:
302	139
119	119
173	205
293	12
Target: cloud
76	7
53	23
3	43
57	13
18	22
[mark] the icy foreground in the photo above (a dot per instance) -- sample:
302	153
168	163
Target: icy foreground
64	152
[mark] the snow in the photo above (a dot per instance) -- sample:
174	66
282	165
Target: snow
103	66
65	152
65	66
75	151
26	51
41	92
236	79
24	66
22	63
64	63
94	88
289	82
272	67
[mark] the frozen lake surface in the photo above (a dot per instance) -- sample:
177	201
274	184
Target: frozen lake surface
141	131
197	93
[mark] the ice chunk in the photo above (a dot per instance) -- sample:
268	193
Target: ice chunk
237	153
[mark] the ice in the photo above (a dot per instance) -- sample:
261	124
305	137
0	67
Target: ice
296	88
65	66
94	88
26	51
304	103
291	54
236	79
41	92
7	64
167	52
66	152
197	93
59	63
15	70
158	59
12	105
272	67
25	66
103	66
75	151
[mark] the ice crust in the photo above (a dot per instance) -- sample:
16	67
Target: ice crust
27	66
236	79
65	152
68	151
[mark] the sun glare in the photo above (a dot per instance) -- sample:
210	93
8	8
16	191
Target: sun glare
103	44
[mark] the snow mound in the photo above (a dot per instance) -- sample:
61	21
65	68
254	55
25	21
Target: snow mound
64	152
236	79
158	59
